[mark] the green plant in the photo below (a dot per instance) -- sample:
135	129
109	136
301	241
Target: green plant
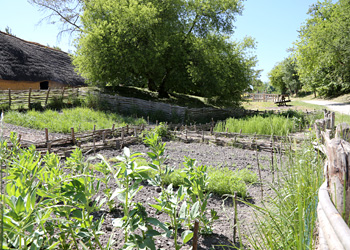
79	118
36	106
196	181
169	202
287	219
128	176
154	141
55	103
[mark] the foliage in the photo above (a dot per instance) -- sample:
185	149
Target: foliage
173	46
81	119
284	76
269	124
287	219
322	51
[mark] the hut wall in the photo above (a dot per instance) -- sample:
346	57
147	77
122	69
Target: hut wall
23	85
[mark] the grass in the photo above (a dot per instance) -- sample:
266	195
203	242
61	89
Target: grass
221	180
269	124
81	119
287	220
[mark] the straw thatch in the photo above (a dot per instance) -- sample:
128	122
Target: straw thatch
21	60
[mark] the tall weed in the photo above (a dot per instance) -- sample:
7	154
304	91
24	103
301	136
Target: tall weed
287	219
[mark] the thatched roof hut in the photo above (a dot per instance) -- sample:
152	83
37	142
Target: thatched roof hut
26	65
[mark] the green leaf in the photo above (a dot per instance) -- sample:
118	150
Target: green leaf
186	236
118	222
194	213
183	209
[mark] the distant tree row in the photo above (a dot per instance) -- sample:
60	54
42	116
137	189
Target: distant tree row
320	59
181	46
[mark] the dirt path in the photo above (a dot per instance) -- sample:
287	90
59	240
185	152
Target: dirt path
343	108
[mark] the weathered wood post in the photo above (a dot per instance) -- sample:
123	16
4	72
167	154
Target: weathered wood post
9	98
338	174
30	92
73	135
47	96
46	135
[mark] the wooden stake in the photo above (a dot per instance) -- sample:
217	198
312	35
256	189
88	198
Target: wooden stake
135	132
30	92
9	98
202	135
49	147
73	136
93	136
261	184
63	93
127	128
46	135
235	217
272	160
104	137
47	96
122	135
195	235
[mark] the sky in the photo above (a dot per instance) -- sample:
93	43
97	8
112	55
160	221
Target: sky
272	23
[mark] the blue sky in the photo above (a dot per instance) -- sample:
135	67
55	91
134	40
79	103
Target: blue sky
273	24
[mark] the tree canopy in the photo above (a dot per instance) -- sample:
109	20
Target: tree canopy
175	45
323	48
284	76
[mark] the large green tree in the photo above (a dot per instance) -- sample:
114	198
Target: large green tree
323	48
284	76
173	45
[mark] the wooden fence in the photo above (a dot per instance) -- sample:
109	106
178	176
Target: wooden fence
334	195
26	98
261	97
167	111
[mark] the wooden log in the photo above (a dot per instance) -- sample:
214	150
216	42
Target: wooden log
338	174
343	131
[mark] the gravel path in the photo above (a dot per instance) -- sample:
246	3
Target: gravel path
343	108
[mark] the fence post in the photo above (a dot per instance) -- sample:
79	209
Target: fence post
63	93
73	136
47	96
9	98
30	92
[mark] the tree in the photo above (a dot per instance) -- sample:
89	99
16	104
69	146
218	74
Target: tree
276	78
290	75
323	48
173	45
65	12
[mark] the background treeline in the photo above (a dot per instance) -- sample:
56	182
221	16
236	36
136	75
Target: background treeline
319	61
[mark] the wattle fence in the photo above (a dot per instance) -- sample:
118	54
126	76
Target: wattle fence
334	195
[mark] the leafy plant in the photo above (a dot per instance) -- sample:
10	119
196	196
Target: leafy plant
196	181
169	202
153	140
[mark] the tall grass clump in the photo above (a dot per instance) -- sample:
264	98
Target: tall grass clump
263	126
267	124
82	119
287	219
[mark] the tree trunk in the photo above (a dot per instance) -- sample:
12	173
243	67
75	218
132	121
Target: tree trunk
315	93
162	92
151	85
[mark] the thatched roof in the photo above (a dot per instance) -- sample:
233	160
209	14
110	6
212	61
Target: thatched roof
21	60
